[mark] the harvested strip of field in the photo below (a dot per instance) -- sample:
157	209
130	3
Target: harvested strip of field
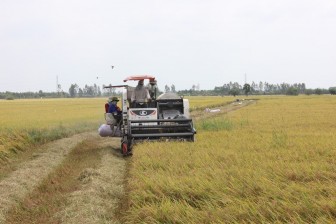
101	190
19	183
85	188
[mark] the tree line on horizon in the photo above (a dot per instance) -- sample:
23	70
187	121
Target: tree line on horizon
74	91
261	88
231	88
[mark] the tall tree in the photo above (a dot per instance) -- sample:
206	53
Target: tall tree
234	92
167	89
247	89
332	90
80	92
73	90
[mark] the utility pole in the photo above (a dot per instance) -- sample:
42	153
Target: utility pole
58	86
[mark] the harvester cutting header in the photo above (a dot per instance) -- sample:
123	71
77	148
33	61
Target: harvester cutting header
146	116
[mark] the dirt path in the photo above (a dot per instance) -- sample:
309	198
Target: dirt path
200	114
17	185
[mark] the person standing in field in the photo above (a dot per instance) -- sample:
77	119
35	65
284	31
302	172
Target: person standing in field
140	95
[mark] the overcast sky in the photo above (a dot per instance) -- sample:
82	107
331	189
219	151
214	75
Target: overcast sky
181	42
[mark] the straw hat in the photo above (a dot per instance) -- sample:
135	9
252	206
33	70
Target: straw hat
110	99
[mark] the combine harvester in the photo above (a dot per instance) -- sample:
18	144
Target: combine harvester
165	117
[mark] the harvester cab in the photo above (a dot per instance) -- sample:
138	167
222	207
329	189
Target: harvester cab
163	117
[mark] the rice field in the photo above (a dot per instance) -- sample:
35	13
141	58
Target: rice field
26	122
200	103
46	113
271	162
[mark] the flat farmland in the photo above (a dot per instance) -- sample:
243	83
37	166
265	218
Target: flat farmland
273	161
267	160
46	113
26	122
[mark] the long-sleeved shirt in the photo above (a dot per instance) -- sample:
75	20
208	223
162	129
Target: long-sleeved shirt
113	108
140	95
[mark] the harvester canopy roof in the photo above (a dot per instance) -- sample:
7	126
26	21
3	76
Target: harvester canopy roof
140	77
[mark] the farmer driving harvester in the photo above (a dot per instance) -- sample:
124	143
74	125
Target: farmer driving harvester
140	96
